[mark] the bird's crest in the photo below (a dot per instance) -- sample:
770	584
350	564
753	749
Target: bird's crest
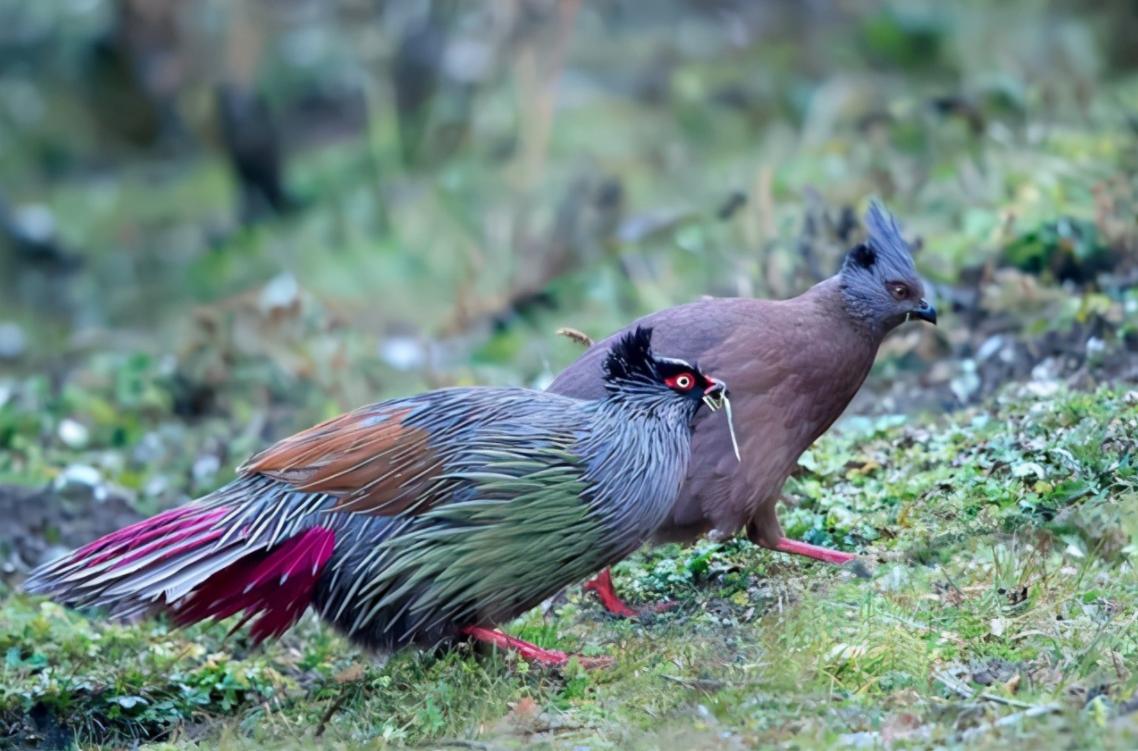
884	247
630	358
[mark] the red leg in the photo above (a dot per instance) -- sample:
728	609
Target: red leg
602	585
550	657
818	553
606	592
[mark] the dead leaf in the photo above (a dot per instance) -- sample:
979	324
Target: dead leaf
899	727
577	336
523	715
351	674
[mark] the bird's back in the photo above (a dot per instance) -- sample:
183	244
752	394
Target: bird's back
791	370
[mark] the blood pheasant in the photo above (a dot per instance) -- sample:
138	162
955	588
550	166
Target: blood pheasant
416	520
793	365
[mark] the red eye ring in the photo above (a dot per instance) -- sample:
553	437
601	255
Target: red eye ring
682	382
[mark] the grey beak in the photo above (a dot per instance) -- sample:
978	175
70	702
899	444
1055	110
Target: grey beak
925	312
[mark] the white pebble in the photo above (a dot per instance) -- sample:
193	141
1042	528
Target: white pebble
74	434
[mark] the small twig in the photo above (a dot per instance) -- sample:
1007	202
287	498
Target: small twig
954	684
343	697
949	579
1011	719
699	684
996	698
903	620
996	466
577	336
463	744
709	684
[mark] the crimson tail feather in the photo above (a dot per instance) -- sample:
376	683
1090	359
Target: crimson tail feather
194	563
275	586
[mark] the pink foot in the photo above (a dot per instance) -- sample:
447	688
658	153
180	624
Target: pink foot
551	657
606	593
818	553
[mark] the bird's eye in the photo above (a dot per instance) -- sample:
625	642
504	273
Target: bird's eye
899	291
681	382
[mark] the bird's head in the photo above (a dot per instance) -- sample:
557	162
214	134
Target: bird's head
880	284
632	367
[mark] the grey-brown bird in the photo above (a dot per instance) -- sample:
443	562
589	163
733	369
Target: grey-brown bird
793	365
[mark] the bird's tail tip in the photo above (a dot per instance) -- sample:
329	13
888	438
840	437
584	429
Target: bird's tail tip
195	564
99	560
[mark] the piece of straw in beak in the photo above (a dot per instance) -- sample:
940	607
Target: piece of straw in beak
714	405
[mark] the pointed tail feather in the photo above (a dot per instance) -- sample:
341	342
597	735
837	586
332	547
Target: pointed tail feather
132	555
275	585
197	562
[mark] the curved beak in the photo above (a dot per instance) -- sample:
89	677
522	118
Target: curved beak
925	312
716	390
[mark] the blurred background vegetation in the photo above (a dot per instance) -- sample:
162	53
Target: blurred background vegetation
222	220
367	197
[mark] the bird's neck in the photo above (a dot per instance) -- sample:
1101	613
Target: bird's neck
858	320
638	464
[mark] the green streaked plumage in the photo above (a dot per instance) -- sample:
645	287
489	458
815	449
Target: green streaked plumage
527	526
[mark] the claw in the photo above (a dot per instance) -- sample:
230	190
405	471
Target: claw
551	657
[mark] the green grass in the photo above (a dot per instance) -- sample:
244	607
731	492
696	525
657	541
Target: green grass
1001	543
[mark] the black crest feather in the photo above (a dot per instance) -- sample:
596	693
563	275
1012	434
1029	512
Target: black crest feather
863	255
631	357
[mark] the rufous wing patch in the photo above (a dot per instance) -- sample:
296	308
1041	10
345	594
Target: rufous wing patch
368	459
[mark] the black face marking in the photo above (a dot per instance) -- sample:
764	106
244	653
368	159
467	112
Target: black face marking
863	255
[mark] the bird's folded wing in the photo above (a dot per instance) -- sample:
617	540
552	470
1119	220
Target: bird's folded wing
370	460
